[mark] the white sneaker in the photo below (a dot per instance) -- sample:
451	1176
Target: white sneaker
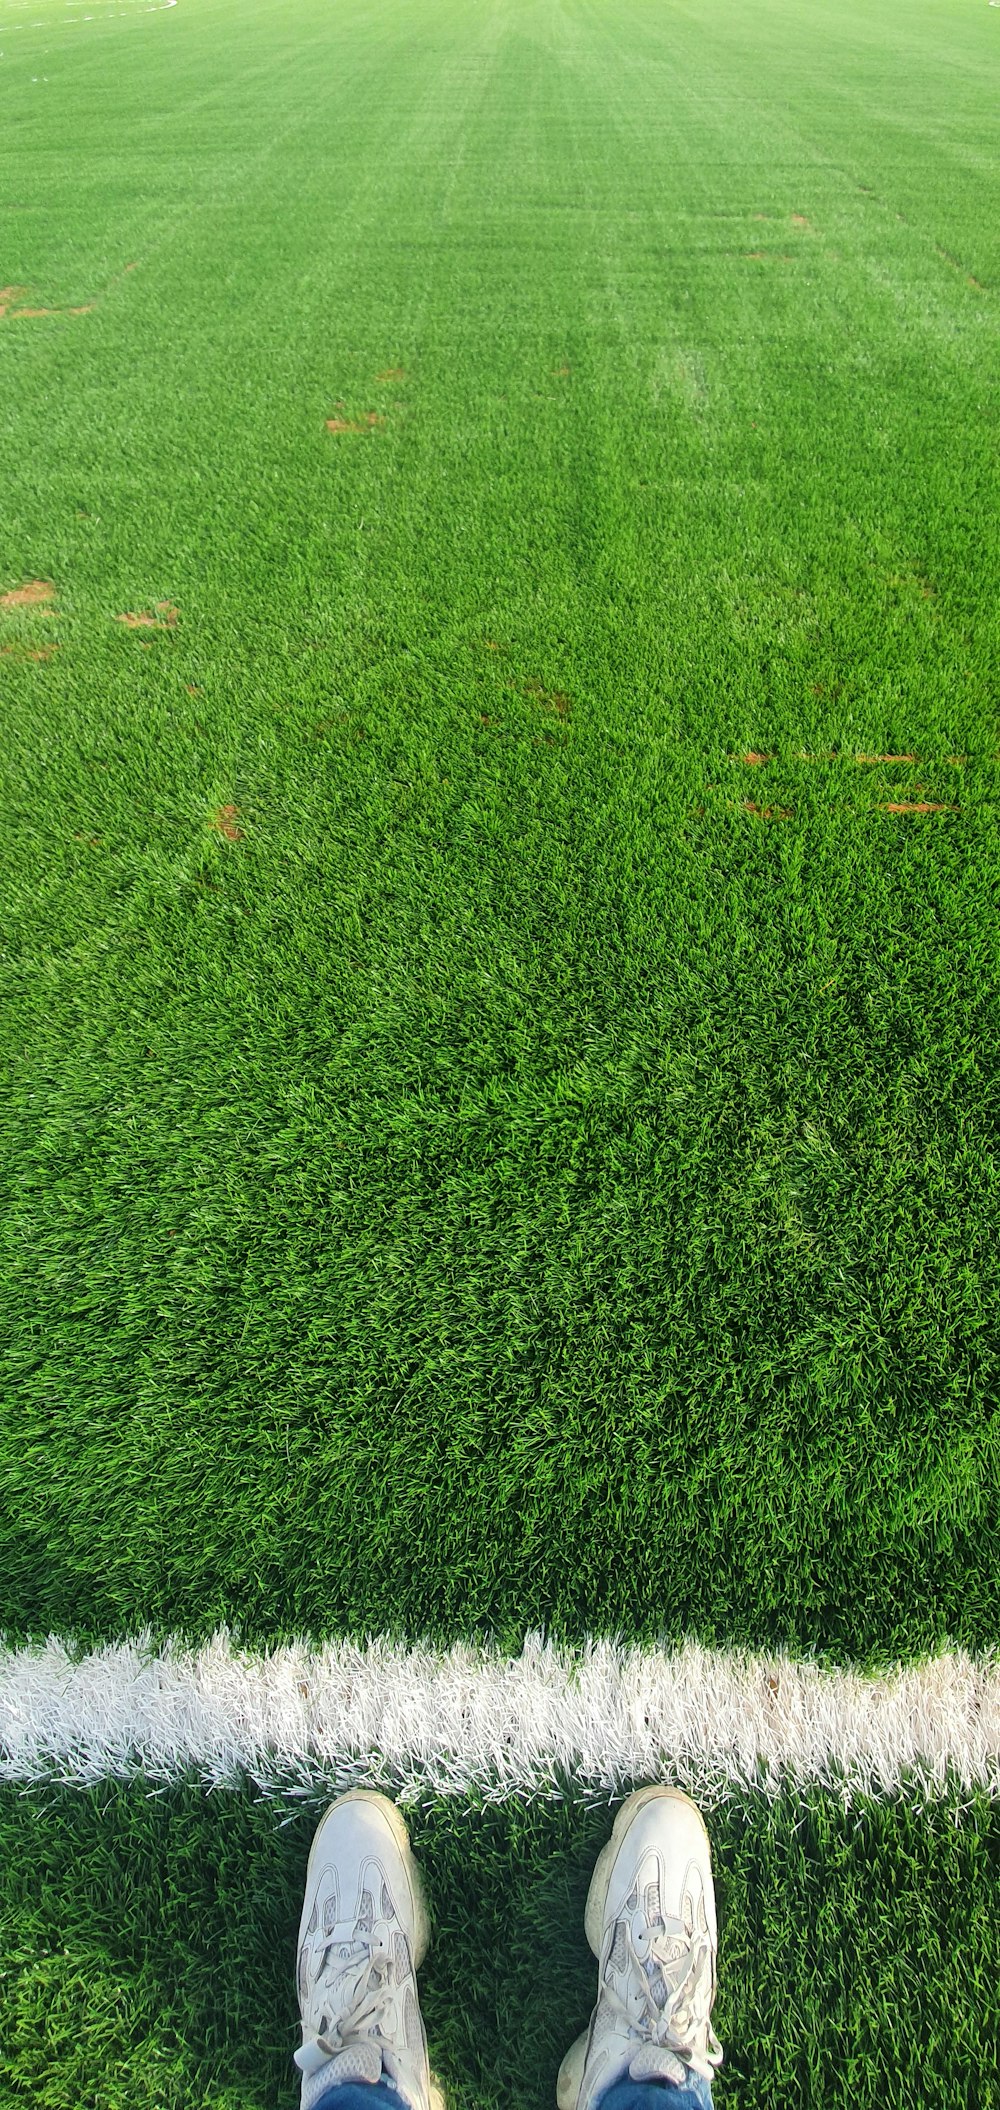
651	1923
363	1934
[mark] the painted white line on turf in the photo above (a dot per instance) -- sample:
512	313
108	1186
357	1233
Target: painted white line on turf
467	1719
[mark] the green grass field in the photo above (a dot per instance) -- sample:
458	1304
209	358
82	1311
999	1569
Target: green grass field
149	1953
500	954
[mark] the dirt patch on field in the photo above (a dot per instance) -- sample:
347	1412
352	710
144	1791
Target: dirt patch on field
755	758
915	806
36	652
365	424
769	813
224	821
799	220
392	373
35	593
165	618
885	758
13	310
22	314
560	373
553	699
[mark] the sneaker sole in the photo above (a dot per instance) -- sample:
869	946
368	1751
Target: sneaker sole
418	1902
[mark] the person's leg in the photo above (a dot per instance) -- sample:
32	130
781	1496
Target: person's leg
651	1922
361	2095
363	1935
694	2094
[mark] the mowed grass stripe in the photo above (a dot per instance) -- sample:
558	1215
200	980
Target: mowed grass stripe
462	1171
148	1944
472	1721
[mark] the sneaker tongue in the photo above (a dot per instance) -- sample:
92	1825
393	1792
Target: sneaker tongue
654	2063
357	2062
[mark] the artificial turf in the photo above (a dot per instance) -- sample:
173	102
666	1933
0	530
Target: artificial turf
148	1950
499	958
477	1150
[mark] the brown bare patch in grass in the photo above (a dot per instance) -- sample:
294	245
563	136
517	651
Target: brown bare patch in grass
553	699
977	284
885	758
33	594
957	761
36	652
164	619
224	821
752	757
392	373
915	806
769	813
8	294
365	424
560	373
799	220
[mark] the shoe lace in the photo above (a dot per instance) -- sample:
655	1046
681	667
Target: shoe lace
355	1972
672	2025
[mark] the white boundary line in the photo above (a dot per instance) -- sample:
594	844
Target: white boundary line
300	1720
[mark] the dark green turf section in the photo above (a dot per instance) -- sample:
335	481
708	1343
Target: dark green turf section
460	1168
149	1948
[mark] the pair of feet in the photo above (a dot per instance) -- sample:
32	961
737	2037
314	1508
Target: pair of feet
650	1921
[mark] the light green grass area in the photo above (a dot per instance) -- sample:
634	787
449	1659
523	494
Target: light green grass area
476	1151
149	1951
